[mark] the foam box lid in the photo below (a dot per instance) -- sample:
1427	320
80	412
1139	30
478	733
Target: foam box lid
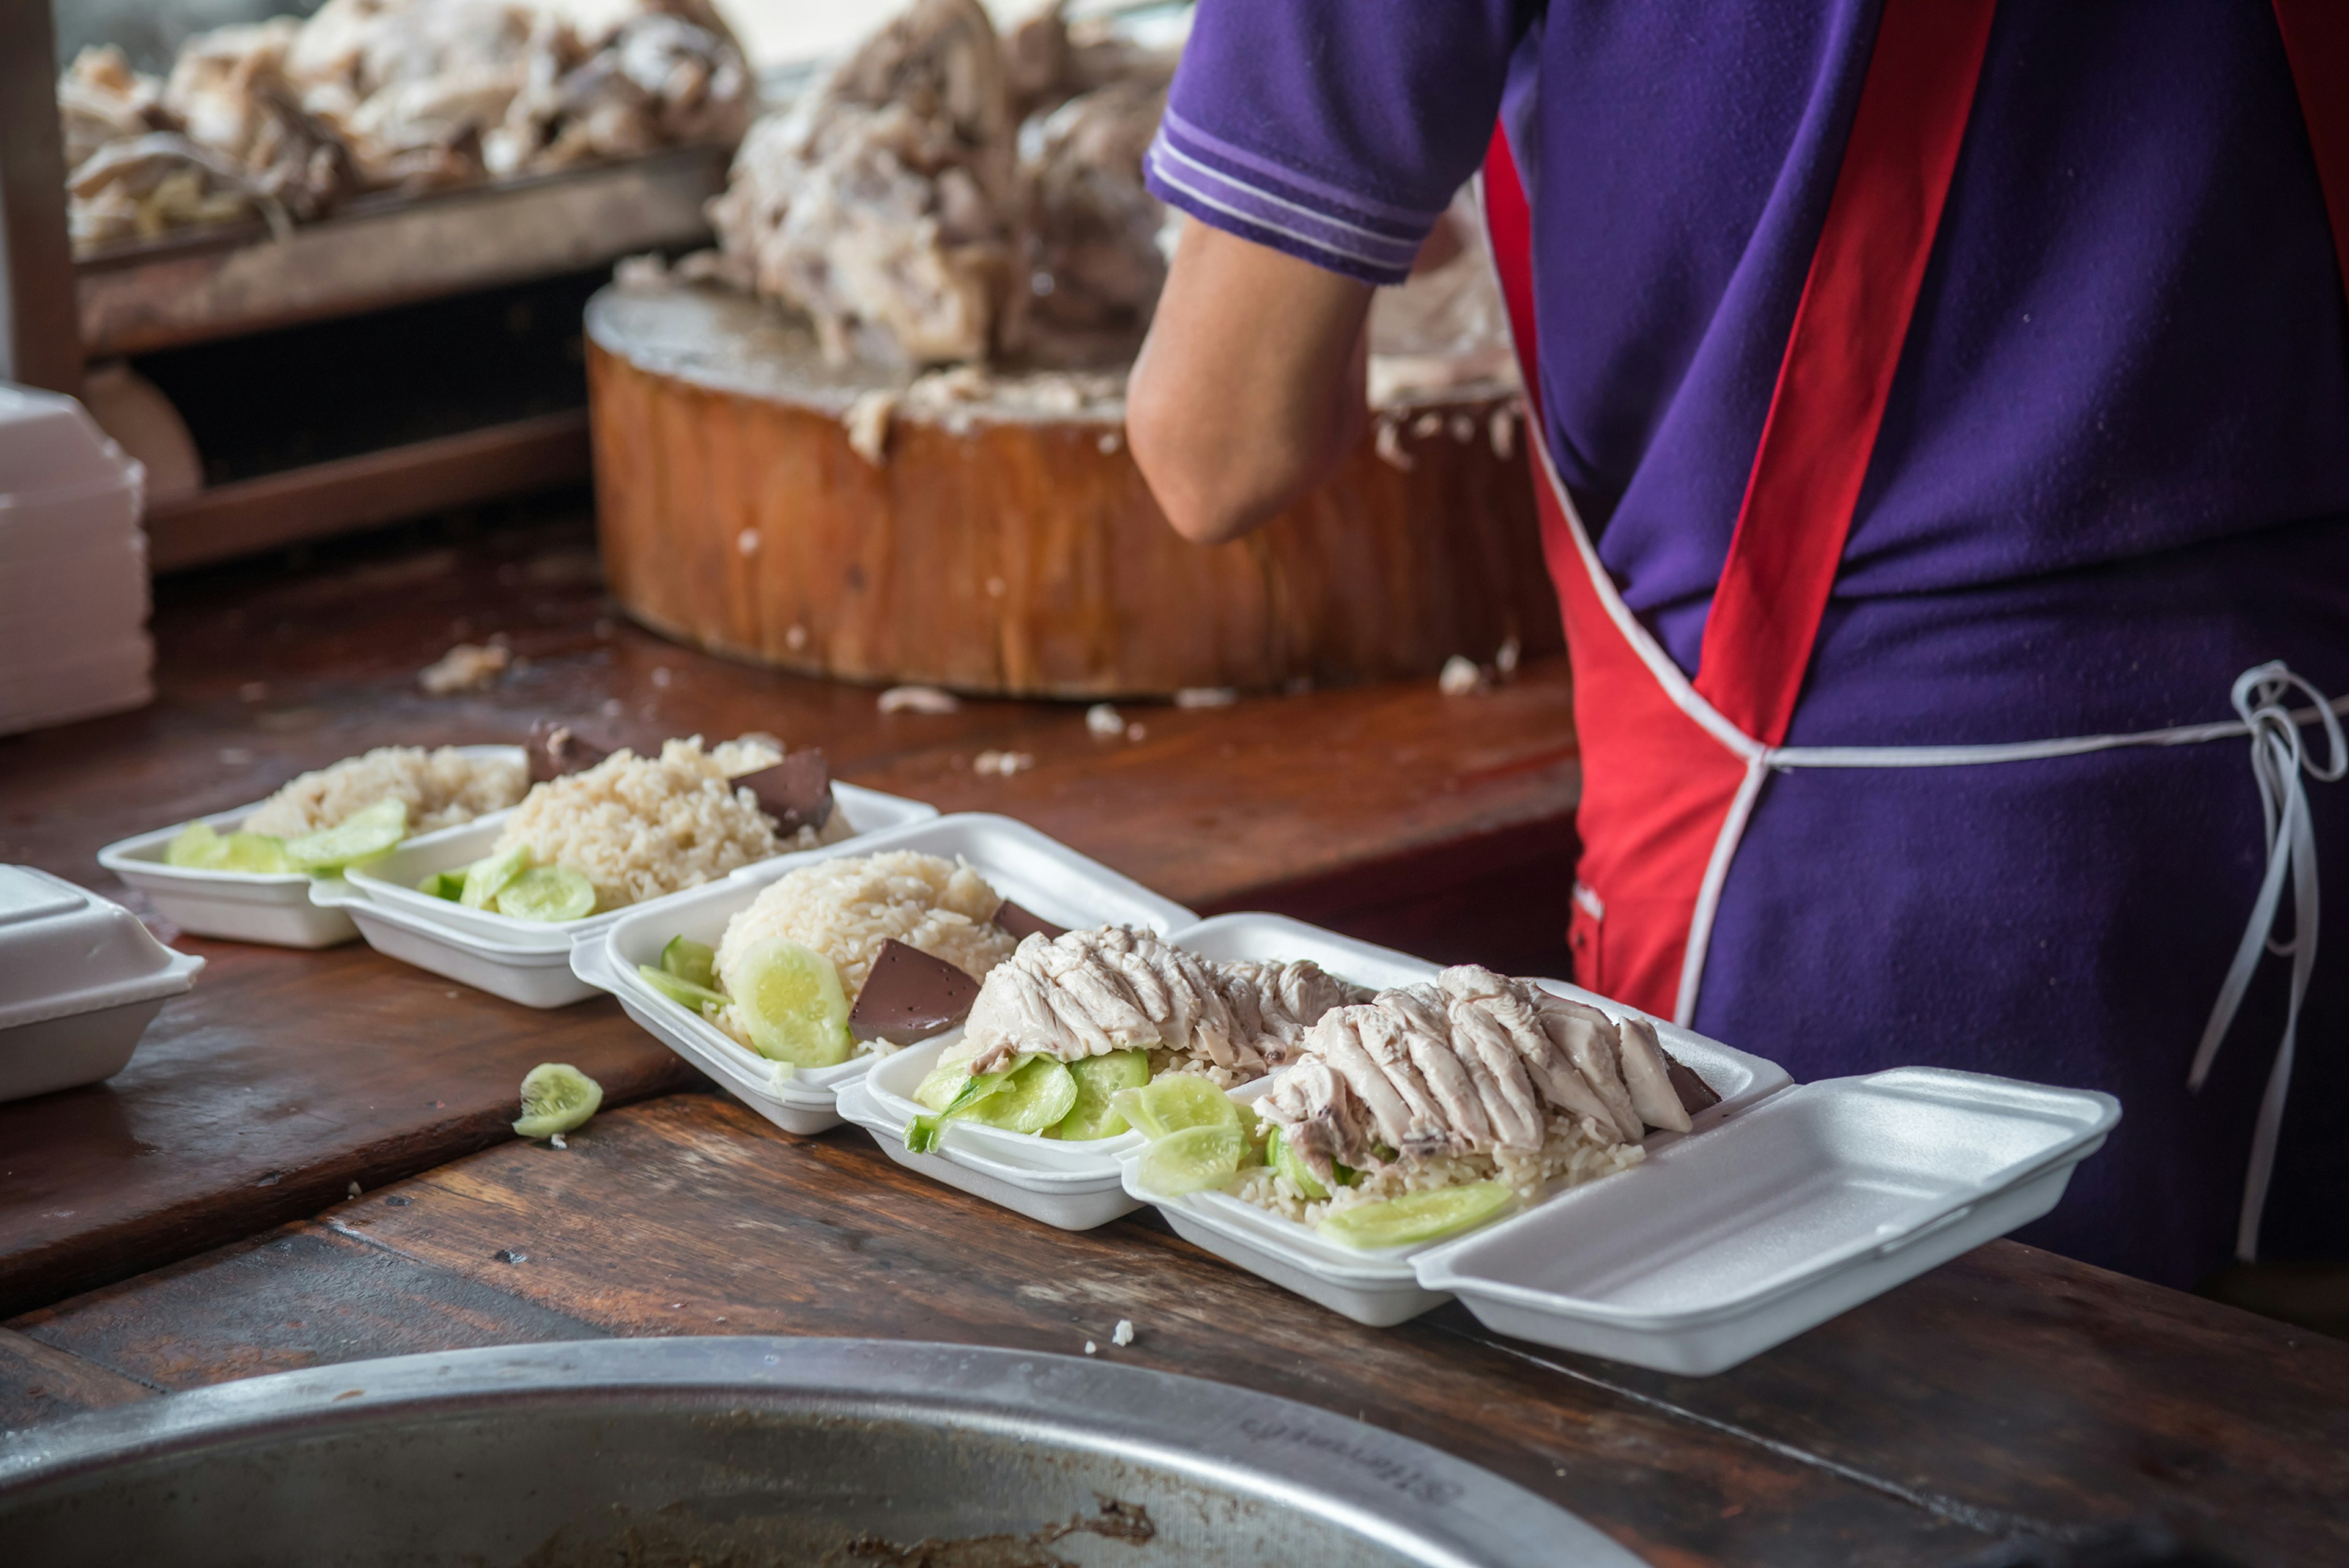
64	950
50	446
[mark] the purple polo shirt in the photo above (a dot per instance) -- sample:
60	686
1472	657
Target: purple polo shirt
2130	339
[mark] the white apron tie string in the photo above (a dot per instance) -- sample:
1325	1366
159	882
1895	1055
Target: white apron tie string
2278	759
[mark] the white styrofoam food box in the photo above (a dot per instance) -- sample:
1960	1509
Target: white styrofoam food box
1077	1186
273	907
80	979
73	566
390	882
1022	864
1384	1288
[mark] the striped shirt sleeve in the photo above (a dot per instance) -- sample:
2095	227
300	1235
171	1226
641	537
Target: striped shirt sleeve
1334	130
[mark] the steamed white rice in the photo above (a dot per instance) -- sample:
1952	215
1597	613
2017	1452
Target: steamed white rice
846	907
639	827
1568	1158
442	789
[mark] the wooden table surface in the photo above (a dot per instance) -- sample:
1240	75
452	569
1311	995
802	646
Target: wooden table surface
1439	825
2008	1395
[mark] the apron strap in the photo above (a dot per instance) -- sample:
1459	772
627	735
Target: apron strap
1840	359
2316	41
1509	233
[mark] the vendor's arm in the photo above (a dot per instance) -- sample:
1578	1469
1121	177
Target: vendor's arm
1314	144
1250	387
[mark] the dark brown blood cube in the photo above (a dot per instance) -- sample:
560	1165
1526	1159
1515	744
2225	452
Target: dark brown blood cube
910	996
796	792
1695	1092
1025	922
556	749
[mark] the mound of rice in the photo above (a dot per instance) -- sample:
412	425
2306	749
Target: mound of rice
1568	1158
638	827
846	907
442	789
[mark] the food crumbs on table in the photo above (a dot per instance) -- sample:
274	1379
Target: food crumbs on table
557	1141
1460	677
396	1201
918	699
509	1255
1136	732
1002	764
1124	1334
1090	1348
468	666
1206	696
1104	721
353	1191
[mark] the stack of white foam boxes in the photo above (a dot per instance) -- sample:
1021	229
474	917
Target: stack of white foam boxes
73	566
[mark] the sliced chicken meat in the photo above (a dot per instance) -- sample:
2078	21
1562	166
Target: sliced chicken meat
1474	1062
1088	993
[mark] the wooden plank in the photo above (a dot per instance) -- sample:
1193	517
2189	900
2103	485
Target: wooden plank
690	1215
39	344
318	1069
41	1383
307	1295
247	516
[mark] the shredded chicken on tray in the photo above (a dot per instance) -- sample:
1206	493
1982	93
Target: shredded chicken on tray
1088	993
287	118
1470	1063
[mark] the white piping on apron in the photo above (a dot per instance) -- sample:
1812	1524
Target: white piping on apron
2278	760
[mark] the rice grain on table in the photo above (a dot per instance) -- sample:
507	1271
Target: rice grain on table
1568	1158
639	827
846	907
443	788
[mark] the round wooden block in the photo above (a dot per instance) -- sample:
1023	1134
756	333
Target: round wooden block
1009	545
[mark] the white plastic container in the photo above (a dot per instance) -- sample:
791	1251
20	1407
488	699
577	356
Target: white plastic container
533	976
246	906
80	979
1077	1186
390	882
1048	878
1812	1202
73	566
1384	1288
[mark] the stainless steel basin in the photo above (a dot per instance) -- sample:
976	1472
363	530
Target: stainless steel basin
752	1452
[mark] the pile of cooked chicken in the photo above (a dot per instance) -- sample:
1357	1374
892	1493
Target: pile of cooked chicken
1089	993
1470	1063
950	195
284	118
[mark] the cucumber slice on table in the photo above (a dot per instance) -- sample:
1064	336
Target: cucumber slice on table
449	885
1039	1092
548	894
1192	1159
1173	1102
1098	1079
683	993
790	998
555	1097
486	878
696	962
1417	1216
362	836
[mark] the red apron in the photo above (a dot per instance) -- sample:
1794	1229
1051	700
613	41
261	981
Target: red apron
1675	764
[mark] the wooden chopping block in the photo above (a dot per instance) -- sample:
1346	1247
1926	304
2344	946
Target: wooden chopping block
1009	545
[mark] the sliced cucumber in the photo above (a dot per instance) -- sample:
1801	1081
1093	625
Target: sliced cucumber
1191	1160
941	1084
683	993
791	998
449	885
262	852
691	961
362	836
1417	1217
195	847
1098	1079
1283	1159
555	1097
1173	1102
548	894
1039	1092
922	1133
487	878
